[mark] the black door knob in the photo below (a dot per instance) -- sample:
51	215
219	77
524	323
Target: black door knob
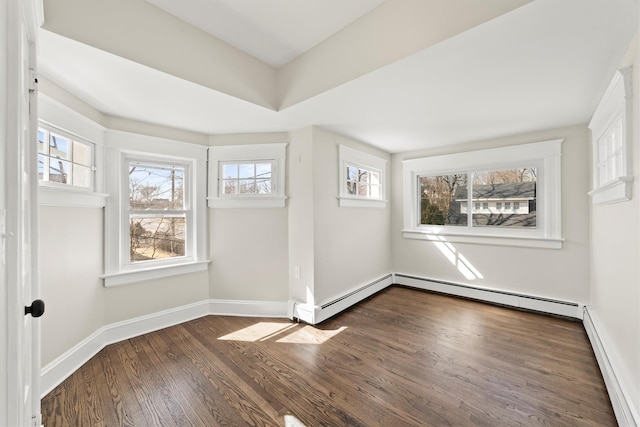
36	309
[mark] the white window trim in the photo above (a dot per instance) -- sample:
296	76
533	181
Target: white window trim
616	104
349	157
121	145
275	152
546	156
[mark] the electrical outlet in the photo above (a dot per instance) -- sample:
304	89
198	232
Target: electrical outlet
296	272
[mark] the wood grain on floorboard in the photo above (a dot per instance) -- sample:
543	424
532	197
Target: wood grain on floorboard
404	357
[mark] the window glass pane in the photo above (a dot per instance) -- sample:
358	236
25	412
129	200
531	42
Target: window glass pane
81	153
363	175
247	186
156	237
247	170
230	171
81	176
442	200
352	173
42	137
59	171
374	177
263	186
230	186
42	164
375	191
363	189
263	170
156	186
59	147
515	188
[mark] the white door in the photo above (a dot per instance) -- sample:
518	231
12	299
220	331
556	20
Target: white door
20	229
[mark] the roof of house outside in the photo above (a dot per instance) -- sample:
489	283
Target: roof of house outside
506	191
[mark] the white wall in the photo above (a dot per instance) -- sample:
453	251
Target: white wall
248	247
337	249
615	270
71	248
4	369
550	273
301	216
352	245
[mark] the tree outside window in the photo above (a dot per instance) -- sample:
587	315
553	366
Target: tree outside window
157	212
444	198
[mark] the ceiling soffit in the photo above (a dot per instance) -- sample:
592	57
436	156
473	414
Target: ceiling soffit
138	31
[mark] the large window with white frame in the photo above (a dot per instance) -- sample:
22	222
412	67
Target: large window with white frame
158	210
247	176
504	196
611	138
361	178
155	220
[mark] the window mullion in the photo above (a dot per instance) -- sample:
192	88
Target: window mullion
470	177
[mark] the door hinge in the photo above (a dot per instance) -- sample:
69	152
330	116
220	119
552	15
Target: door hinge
36	420
33	81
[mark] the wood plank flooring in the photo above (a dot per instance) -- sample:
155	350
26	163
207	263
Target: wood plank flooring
402	358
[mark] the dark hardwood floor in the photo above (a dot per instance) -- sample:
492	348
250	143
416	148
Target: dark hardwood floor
402	358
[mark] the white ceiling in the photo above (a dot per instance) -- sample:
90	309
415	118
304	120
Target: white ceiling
274	31
541	66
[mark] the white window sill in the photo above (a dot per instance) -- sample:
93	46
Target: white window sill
248	202
486	239
614	192
138	275
361	202
49	195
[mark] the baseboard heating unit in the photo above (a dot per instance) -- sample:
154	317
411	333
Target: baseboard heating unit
528	302
314	314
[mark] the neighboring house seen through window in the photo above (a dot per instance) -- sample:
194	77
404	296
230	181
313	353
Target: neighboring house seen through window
469	197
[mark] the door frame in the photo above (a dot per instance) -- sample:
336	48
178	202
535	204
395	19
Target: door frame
20	19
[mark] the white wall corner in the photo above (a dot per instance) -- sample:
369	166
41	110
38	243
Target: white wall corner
626	410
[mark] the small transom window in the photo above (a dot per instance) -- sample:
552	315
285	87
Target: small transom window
63	159
239	178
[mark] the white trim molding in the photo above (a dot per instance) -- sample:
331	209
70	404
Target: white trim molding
611	137
624	407
64	365
494	296
314	314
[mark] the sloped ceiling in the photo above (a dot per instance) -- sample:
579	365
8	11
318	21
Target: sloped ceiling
397	74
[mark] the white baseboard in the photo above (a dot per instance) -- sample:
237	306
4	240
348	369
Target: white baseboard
529	302
627	414
223	307
63	366
314	314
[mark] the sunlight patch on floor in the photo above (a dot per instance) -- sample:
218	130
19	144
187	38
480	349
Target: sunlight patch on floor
310	335
291	421
293	333
258	332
